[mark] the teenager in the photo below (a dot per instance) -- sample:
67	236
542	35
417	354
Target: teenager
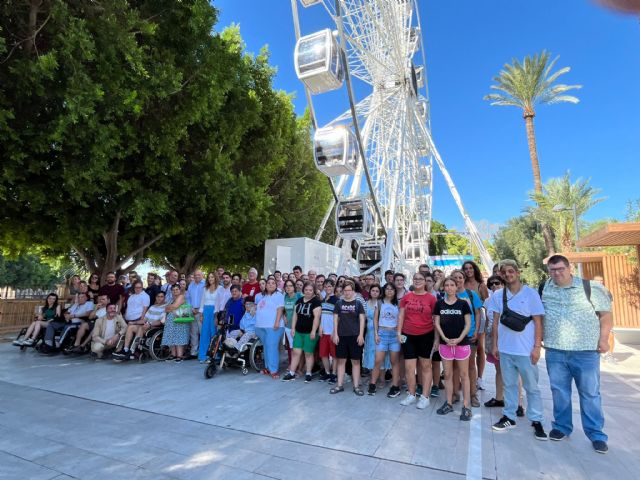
327	347
385	324
371	307
473	281
49	312
452	318
290	299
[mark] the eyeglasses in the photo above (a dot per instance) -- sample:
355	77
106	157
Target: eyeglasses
494	284
557	269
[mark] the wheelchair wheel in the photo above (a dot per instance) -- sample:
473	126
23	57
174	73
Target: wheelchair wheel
210	371
158	351
245	370
256	356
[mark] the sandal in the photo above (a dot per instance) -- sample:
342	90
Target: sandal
358	391
335	390
275	376
264	371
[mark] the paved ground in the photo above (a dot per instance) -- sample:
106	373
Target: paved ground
72	418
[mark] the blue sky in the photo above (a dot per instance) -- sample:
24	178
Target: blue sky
467	42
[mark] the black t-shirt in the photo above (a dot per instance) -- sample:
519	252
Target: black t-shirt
114	292
304	324
349	317
452	318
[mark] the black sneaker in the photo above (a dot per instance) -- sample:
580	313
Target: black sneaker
600	446
418	389
556	435
388	376
333	379
444	409
466	414
119	355
393	392
440	385
504	423
539	432
289	377
307	378
434	391
494	403
372	389
324	377
520	411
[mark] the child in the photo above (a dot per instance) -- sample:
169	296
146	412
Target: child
327	347
247	329
452	318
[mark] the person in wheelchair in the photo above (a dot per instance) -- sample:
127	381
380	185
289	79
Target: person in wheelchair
153	318
83	336
50	311
73	318
107	332
238	339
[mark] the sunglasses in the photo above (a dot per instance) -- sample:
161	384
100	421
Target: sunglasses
493	284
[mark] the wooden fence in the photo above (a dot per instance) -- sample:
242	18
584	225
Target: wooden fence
15	314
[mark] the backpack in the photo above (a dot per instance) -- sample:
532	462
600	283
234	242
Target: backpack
586	285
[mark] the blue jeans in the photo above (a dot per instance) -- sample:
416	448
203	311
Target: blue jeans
208	330
270	339
512	366
582	367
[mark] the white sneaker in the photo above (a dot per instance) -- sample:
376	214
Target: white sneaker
408	400
479	384
423	402
17	343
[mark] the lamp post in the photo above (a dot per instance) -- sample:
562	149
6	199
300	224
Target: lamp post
573	208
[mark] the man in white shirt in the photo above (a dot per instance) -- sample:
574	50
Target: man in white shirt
517	345
74	316
137	306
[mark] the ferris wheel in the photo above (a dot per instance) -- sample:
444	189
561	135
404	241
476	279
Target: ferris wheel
379	154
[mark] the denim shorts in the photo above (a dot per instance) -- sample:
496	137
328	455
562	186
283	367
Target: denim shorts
388	341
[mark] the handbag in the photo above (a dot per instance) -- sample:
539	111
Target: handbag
511	319
184	314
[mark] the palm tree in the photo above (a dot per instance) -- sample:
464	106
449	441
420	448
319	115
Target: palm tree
525	85
560	191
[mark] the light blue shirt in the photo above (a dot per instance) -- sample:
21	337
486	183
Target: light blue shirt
248	323
477	304
194	293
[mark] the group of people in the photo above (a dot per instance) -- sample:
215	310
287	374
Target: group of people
441	327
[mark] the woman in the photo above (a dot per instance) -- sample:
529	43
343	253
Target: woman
208	309
304	330
299	286
270	326
263	285
50	310
183	286
452	318
290	299
175	335
93	285
385	323
473	281
74	283
371	307
416	334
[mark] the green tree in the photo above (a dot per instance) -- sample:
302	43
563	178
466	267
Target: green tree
521	240
524	85
28	271
560	192
451	243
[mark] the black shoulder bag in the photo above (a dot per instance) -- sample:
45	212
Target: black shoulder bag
511	319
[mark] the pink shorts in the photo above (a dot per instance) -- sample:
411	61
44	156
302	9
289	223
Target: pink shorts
492	359
454	352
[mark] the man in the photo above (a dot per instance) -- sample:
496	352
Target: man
311	275
152	288
137	305
74	316
99	310
220	271
577	325
279	282
320	285
194	298
107	332
297	272
223	294
113	290
234	308
518	351
333	277
388	276
424	269
172	279
153	317
252	287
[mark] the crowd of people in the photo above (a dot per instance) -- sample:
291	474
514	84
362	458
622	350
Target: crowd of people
435	335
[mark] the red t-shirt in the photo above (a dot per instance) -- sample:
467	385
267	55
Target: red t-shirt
418	310
250	290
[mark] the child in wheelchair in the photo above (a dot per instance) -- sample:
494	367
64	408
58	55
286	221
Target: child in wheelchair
238	339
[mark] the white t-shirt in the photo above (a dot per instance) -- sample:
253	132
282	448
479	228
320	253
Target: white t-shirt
388	315
135	304
526	302
209	298
109	328
267	308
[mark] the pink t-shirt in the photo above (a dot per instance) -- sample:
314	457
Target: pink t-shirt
418	310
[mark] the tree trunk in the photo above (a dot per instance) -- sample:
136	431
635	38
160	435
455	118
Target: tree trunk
547	232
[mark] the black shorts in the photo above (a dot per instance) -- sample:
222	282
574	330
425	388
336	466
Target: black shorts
348	348
418	346
435	357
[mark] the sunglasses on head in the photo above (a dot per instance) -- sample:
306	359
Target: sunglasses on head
493	284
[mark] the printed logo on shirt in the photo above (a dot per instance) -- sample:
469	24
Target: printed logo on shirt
450	311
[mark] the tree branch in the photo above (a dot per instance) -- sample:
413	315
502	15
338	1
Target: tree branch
139	250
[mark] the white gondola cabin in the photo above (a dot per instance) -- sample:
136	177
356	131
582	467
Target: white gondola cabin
420	76
317	62
369	254
308	3
335	151
354	219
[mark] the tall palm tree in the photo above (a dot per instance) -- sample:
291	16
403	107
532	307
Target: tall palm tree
526	84
560	191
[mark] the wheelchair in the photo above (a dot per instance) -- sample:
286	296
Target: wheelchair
150	346
252	355
35	345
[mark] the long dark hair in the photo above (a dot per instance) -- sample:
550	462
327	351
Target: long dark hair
394	300
46	301
476	271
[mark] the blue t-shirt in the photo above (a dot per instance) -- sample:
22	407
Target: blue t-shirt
477	303
235	311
